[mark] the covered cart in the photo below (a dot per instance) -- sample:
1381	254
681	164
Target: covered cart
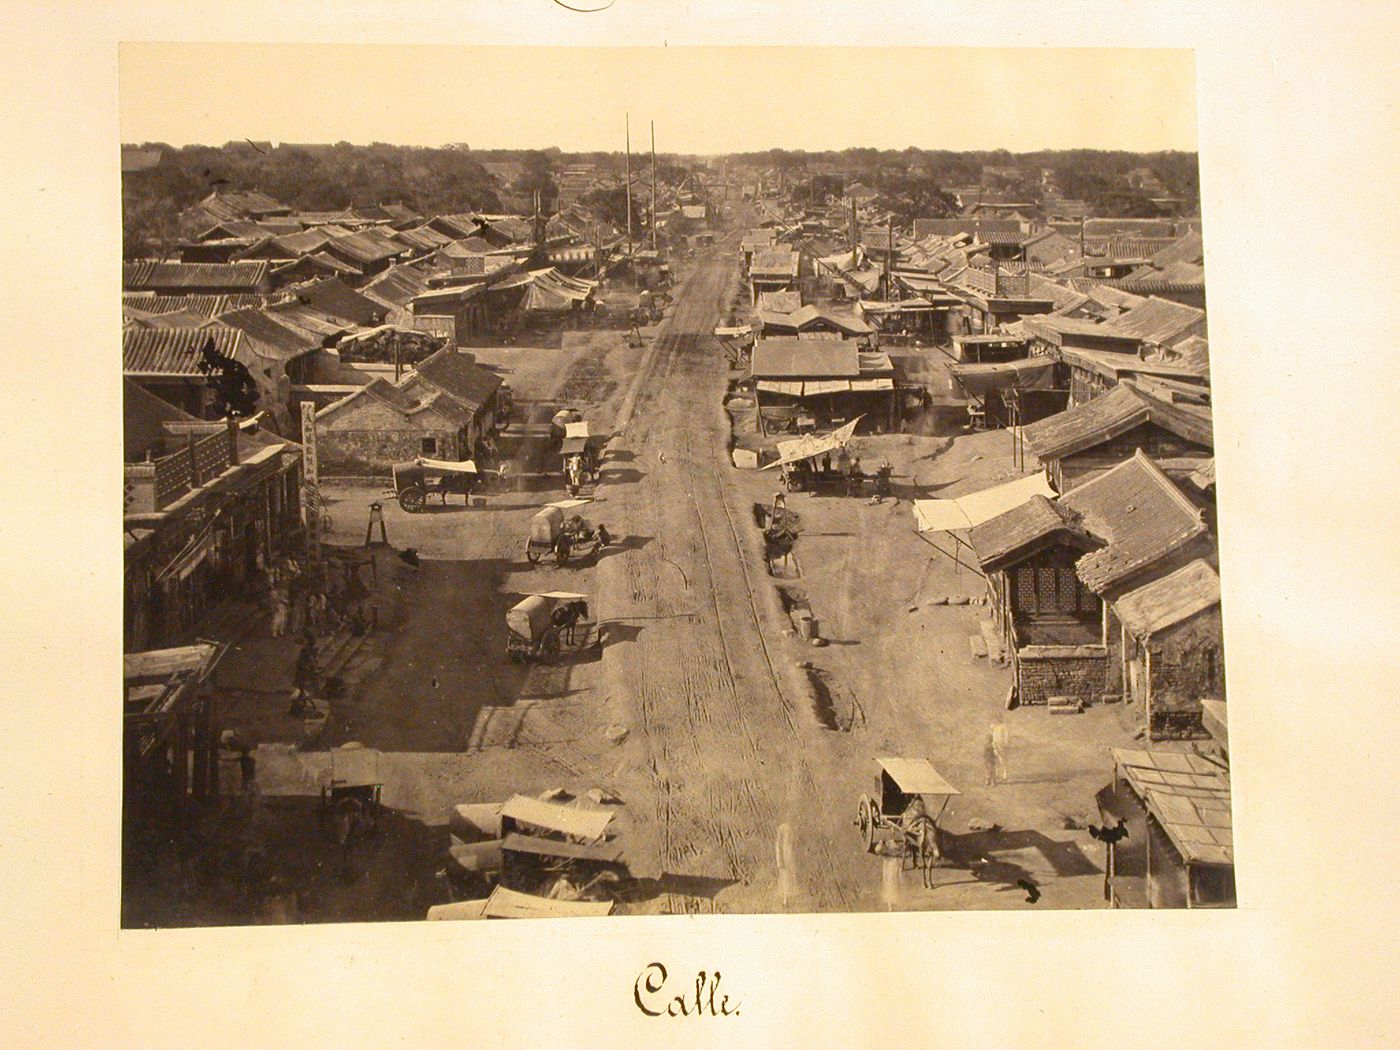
562	851
819	462
540	626
580	456
898	820
545	530
350	793
418	480
560	422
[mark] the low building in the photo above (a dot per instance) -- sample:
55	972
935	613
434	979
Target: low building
1054	566
175	278
1088	439
817	383
207	506
773	270
1179	851
1173	649
811	321
440	410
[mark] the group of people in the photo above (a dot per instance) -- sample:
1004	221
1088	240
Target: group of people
316	602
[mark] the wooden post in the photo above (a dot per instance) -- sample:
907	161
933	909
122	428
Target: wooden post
653	185
627	162
310	467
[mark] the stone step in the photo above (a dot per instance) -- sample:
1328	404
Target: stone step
978	644
992	637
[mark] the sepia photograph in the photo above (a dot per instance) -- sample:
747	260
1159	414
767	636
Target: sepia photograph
548	503
736	485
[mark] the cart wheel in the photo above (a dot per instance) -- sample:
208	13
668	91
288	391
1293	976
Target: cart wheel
865	820
411	499
532	556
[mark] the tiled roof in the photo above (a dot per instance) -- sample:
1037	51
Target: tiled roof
296	244
173	351
1188	249
952	227
774	261
1124	247
1083	426
1008	534
789	357
423	237
1139	513
397	285
1129	228
460	378
334	297
317	264
1158	320
172	276
208	305
272	337
1164	603
365	246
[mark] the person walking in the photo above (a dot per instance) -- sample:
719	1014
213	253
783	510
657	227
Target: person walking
281	603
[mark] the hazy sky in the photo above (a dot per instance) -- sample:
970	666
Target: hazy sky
703	99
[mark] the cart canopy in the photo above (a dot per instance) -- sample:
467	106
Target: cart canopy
529	618
598	852
587	824
577	429
512	904
447	466
353	765
915	776
545	526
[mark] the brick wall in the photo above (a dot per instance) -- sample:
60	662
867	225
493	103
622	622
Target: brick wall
1080	671
1187	664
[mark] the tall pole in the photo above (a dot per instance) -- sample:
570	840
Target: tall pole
627	162
889	261
653	185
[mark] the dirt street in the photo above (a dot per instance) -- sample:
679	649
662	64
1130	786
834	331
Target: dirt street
744	748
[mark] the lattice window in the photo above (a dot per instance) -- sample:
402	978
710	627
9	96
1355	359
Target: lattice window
1025	589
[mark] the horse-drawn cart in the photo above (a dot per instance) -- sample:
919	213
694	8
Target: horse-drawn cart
350	794
541	626
898	821
579	455
559	851
418	480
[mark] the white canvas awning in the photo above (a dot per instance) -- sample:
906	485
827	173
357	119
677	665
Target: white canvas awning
780	386
587	824
963	512
825	386
465	466
813	444
860	386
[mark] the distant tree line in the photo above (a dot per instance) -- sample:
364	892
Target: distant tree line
1097	177
324	178
330	177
